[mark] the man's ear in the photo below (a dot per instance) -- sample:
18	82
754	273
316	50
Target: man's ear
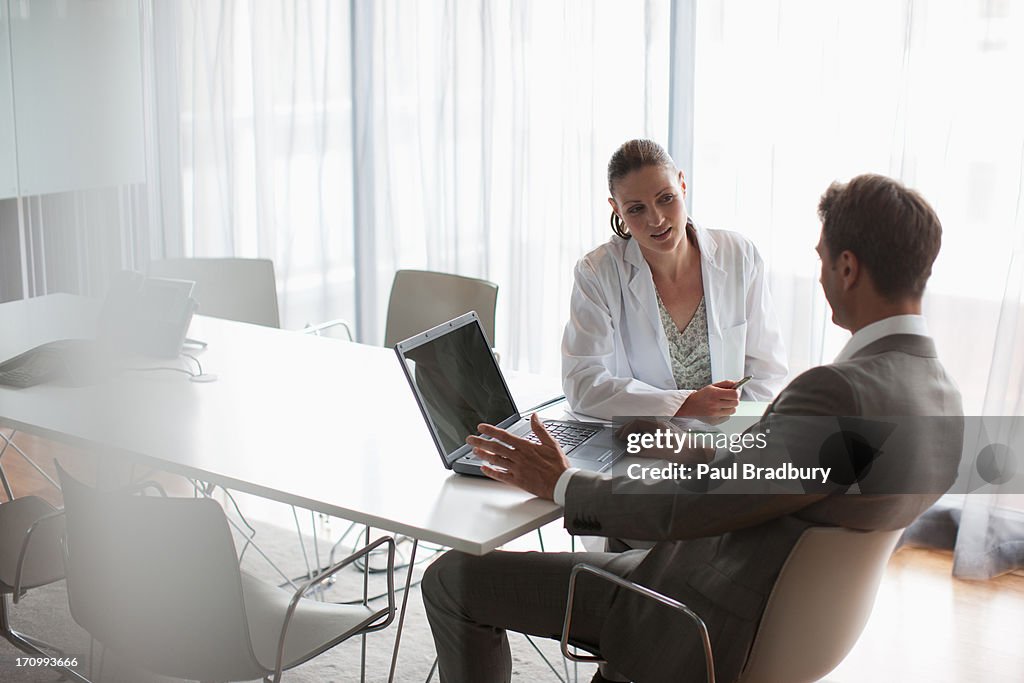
848	268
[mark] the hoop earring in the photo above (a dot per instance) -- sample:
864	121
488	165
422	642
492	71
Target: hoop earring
618	227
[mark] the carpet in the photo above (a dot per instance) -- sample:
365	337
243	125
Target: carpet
43	613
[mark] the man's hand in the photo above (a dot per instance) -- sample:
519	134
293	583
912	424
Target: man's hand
535	468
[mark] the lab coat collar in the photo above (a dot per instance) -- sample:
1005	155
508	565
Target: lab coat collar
708	247
634	257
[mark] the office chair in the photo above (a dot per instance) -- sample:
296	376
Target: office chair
421	299
156	581
808	627
239	289
234	288
30	530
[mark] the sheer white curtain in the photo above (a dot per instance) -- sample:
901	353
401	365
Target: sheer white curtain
792	95
991	528
256	97
348	140
491	124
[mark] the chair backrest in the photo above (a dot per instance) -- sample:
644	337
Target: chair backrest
421	299
819	605
156	581
234	288
42	563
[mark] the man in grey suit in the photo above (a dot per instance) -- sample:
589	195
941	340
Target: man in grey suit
721	553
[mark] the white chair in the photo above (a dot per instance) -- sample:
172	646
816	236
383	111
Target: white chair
30	530
808	626
421	299
238	289
156	581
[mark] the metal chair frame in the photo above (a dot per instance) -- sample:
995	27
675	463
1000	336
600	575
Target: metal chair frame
642	591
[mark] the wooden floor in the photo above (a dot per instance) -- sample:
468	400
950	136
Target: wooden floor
926	626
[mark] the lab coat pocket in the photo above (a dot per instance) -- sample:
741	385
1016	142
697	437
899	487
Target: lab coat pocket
734	344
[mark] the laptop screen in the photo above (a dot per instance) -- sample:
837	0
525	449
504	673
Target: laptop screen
458	382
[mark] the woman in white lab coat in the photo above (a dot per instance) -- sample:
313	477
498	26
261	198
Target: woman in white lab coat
667	316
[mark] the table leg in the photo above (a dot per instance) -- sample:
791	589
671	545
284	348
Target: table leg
575	664
366	593
401	614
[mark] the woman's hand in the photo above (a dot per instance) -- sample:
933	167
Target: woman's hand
718	400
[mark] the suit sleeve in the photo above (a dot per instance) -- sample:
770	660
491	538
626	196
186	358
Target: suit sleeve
765	351
589	376
665	510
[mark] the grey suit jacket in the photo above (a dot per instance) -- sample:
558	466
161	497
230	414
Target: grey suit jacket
721	553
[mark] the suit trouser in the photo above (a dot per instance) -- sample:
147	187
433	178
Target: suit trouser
471	601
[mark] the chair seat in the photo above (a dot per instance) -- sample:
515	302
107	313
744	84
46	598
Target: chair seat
315	626
43	564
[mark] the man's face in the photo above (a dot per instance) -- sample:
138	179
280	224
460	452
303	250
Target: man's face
831	284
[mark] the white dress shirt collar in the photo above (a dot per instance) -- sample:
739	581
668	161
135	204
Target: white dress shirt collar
897	324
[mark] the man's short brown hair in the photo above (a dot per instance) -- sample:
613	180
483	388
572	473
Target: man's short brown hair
892	230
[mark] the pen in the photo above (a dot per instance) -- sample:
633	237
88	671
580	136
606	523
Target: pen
742	381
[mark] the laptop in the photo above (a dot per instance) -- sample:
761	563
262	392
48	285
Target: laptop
140	315
457	383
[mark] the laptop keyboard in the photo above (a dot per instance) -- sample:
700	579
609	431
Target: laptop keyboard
568	435
35	366
26	377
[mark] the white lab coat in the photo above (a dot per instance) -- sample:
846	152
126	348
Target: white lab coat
615	358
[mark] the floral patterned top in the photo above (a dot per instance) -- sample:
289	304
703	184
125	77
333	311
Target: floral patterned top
688	348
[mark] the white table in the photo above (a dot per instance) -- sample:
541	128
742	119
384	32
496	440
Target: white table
319	423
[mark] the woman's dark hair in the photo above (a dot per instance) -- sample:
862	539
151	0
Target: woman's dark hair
631	156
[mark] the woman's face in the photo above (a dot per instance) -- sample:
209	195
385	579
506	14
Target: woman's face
649	201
